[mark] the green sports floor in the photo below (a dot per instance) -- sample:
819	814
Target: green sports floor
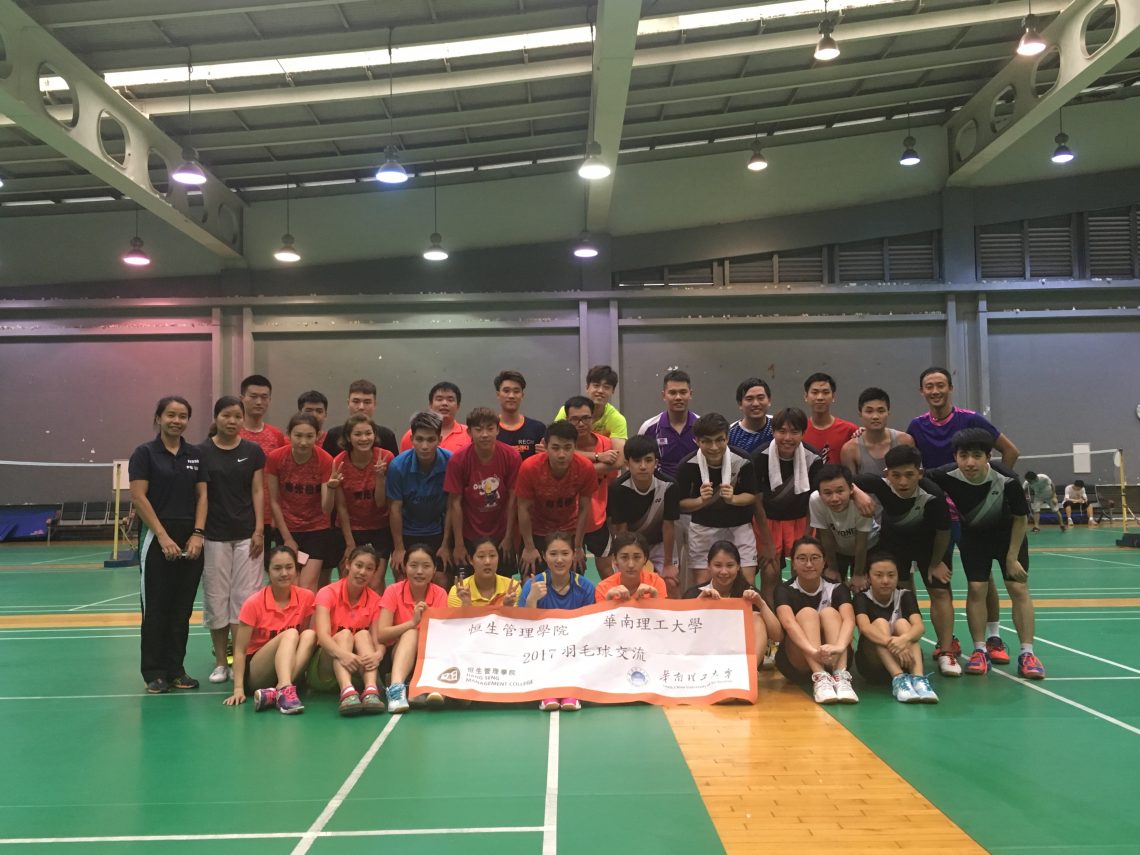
93	765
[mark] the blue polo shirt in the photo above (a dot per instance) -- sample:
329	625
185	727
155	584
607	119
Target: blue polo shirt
673	447
580	593
172	479
424	501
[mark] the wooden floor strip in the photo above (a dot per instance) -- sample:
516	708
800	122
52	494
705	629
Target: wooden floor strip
783	775
72	620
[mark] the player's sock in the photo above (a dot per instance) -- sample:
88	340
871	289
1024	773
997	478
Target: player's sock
980	645
992	629
1027	648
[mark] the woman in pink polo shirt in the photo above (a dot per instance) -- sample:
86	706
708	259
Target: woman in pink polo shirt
346	620
273	642
401	607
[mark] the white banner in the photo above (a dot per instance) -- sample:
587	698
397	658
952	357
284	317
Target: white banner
663	652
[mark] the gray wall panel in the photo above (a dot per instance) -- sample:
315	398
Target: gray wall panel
405	367
857	356
79	401
1053	384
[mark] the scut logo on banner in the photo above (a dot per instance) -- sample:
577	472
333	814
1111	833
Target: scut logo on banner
451	675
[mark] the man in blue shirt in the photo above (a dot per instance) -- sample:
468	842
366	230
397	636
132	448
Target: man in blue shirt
417	503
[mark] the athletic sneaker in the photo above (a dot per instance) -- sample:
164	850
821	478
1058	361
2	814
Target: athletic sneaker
287	701
184	682
350	704
264	699
770	655
979	663
843	690
948	664
823	688
433	700
571	705
955	646
549	704
157	686
1030	667
920	685
229	653
397	698
902	690
370	702
220	674
995	647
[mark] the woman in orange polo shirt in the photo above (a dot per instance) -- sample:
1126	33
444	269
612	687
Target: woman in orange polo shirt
635	578
402	605
273	642
346	620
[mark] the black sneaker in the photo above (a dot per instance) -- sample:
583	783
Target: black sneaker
157	686
184	682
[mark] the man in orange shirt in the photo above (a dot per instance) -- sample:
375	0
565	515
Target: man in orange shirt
444	400
599	452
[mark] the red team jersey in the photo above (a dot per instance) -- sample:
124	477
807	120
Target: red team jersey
829	442
359	487
268	619
602	493
299	487
554	501
342	613
484	488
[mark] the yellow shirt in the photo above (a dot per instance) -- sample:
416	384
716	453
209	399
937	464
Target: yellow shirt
502	586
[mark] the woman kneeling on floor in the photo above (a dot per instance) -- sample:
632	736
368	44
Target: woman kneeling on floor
347	619
274	642
818	624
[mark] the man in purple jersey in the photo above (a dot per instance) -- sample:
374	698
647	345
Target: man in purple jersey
932	433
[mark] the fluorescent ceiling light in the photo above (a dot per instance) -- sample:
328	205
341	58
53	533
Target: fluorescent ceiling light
439	51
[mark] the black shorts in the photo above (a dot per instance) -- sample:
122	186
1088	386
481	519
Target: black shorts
432	541
784	666
908	553
322	545
379	538
869	665
844	565
598	542
979	552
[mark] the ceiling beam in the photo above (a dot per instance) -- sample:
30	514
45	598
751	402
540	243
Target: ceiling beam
975	140
613	64
801	39
216	223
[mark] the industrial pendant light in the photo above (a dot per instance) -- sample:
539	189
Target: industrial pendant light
190	171
758	162
136	256
910	153
1031	42
585	247
593	168
827	48
287	254
391	171
1062	154
435	250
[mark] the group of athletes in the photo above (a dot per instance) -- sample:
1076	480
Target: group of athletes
500	509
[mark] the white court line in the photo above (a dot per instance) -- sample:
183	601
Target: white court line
100	602
310	836
550	812
1073	679
60	560
1037	638
1035	687
4	638
192	693
1075	619
1098	560
272	835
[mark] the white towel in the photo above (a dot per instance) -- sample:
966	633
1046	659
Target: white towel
800	483
725	468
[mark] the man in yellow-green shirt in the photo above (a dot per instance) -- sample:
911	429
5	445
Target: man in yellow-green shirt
601	383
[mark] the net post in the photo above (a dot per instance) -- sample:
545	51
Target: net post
115	527
1123	493
129	556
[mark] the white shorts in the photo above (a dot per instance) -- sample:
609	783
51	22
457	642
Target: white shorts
1037	504
701	539
229	577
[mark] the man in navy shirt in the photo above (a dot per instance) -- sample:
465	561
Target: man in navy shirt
417	502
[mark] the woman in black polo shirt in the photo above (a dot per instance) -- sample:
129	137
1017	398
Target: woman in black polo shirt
168	487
